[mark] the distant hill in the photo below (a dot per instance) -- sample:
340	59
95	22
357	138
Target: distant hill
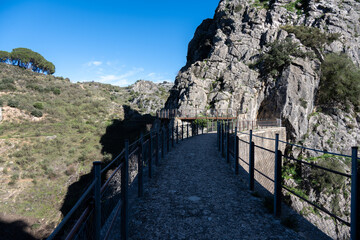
50	134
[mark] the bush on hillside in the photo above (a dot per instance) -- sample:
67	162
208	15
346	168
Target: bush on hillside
279	56
310	36
7	84
13	103
340	81
37	113
38	105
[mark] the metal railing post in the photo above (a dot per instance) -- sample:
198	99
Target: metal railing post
277	182
97	198
355	192
236	152
140	166
182	131
251	163
124	194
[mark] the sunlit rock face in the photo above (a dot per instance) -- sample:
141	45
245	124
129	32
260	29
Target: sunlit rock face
219	73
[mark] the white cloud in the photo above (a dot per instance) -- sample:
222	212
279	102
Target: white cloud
121	79
94	63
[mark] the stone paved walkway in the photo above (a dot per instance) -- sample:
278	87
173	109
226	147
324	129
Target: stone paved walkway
195	195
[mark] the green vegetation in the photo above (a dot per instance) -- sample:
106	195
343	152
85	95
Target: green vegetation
324	180
262	4
202	123
7	84
44	156
294	6
340	81
311	37
26	58
279	56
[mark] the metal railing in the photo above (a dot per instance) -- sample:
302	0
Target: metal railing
197	113
106	199
248	155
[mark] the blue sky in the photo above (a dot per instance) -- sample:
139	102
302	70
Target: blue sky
116	42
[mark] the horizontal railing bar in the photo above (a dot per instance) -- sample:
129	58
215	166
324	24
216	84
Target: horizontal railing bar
263	137
316	150
243	160
134	143
133	152
263	175
317	166
78	223
112	221
69	214
112	175
264	148
318	207
243	141
112	162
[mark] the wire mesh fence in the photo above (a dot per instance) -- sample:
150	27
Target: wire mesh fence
321	186
264	169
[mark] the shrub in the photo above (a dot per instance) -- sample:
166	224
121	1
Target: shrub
7	84
310	36
322	180
295	6
56	91
37	113
279	56
38	105
339	82
13	103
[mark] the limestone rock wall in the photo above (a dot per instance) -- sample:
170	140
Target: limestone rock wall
218	71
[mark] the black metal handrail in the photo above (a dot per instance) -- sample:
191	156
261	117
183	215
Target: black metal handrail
224	142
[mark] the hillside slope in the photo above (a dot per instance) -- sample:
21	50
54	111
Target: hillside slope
50	134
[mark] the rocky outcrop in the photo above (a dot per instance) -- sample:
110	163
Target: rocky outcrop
149	96
219	72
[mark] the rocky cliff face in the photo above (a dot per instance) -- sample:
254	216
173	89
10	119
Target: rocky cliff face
148	96
219	72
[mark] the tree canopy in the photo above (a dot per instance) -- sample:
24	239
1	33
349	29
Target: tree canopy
26	58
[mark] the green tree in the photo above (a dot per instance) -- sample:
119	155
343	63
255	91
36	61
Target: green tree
26	58
279	56
340	80
4	56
